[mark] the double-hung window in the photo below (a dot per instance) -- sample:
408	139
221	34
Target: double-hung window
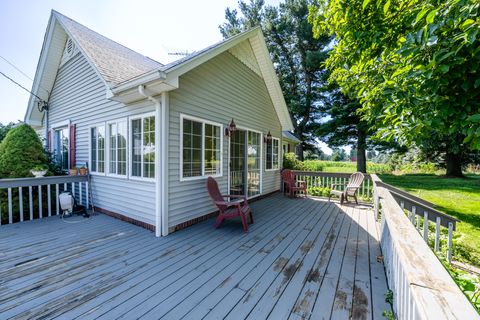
201	150
97	149
60	146
117	148
273	154
142	148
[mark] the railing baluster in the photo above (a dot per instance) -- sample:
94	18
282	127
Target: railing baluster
450	231
40	209
30	202
412	219
87	193
437	235
368	189
425	226
57	201
73	189
10	207
65	186
80	193
402	205
20	202
49	205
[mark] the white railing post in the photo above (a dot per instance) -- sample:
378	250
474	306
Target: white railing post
20	202
30	202
48	201
437	234
57	201
10	207
414	214
40	211
450	231
425	226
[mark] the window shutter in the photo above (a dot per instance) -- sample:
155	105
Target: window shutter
73	145
49	140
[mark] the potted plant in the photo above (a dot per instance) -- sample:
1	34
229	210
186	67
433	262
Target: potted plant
39	171
73	171
83	171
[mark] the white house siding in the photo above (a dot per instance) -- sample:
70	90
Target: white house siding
79	96
219	90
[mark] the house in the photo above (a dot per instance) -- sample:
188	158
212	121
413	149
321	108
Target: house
152	133
289	142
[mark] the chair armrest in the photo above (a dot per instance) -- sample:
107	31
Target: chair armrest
233	196
337	184
228	203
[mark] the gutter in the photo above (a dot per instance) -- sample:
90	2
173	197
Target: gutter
158	185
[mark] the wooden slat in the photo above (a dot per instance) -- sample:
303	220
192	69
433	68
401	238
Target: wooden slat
57	200
20	202
40	204
10	209
30	202
49	201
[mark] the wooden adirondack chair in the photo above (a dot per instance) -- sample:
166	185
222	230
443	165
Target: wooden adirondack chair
292	186
237	206
350	190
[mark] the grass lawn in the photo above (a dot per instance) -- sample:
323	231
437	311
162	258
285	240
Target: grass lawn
457	197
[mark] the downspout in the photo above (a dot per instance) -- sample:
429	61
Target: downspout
47	147
158	176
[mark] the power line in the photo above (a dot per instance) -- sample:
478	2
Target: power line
16	68
23	73
18	84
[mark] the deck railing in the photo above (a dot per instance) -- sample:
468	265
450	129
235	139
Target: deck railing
320	183
421	286
34	198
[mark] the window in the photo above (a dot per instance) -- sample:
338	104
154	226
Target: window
273	154
97	149
60	147
143	147
117	148
201	148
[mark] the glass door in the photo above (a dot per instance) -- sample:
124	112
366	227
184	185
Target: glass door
253	160
245	161
237	162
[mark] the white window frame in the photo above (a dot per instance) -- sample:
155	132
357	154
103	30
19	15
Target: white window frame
203	121
96	173
130	145
279	154
57	126
107	133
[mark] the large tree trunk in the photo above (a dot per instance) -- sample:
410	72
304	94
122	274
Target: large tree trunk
361	153
453	163
300	152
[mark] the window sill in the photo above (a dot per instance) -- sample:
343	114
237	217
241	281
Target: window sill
141	179
201	177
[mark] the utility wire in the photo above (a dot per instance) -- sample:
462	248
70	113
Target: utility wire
23	73
18	84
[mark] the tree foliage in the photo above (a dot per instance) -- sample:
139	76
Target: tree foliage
414	65
296	54
20	151
4	128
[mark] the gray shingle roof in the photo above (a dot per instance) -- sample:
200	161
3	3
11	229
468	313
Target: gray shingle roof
114	62
290	136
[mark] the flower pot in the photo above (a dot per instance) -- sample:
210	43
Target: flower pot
73	172
38	173
82	171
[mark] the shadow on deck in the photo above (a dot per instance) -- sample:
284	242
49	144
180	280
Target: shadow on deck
303	258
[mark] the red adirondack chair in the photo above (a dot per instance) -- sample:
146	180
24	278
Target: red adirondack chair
291	186
237	206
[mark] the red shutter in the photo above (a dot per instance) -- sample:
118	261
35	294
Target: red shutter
49	141
73	146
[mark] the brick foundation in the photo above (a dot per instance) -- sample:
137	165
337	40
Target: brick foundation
126	219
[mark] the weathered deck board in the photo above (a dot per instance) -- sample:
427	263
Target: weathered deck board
297	253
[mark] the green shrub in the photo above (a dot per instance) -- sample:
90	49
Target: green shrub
291	162
20	151
313	165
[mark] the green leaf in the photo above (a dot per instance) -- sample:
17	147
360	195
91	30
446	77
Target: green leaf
467	22
477	83
386	7
365	4
421	14
443	68
474	118
431	16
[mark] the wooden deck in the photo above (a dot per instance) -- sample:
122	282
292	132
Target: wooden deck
303	258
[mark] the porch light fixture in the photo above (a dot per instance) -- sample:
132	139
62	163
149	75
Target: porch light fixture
231	127
268	137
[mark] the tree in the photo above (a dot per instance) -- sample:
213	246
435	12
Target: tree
338	154
296	54
4	130
345	127
20	151
414	67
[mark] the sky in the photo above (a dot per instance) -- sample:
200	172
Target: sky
152	28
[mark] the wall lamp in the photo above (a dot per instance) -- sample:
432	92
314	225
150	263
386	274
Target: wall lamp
268	137
231	128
